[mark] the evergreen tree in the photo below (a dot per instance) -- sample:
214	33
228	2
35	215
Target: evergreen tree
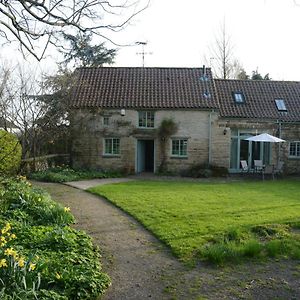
83	54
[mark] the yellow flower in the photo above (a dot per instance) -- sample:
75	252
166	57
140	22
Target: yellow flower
21	262
11	252
57	275
3	263
13	236
67	209
32	266
6	228
2	239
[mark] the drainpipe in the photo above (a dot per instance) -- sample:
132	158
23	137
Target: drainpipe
209	137
279	146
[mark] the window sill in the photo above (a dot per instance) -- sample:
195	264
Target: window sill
178	157
294	157
111	155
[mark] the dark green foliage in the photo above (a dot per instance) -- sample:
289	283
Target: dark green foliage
166	129
67	174
32	206
67	263
10	153
204	171
258	76
83	54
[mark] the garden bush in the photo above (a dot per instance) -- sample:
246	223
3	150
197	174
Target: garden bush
204	171
41	256
10	153
64	174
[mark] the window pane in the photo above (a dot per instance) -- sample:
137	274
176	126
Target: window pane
116	146
105	121
234	154
238	97
183	147
179	147
280	104
150	119
146	119
108	146
142	119
112	146
175	147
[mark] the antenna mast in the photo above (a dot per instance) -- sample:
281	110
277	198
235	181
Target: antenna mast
143	53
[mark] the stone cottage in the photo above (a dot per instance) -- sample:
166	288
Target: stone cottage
117	114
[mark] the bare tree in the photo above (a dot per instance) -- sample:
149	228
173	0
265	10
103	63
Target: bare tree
5	73
35	24
222	60
20	106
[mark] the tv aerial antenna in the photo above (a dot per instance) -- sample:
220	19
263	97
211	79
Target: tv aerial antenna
143	53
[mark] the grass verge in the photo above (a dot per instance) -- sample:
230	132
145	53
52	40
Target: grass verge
218	222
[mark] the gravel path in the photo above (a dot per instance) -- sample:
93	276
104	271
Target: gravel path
141	267
85	184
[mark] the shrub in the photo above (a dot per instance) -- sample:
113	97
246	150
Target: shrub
60	175
10	153
204	171
197	171
219	171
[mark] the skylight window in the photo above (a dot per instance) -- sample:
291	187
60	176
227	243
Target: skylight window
280	104
238	97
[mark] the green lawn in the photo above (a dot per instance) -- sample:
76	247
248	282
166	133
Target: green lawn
190	216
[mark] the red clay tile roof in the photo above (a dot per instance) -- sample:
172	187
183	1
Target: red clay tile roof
138	88
260	98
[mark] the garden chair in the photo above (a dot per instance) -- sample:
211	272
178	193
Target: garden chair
268	170
258	166
244	165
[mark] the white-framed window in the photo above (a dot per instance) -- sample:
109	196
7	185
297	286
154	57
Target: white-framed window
280	105
179	147
106	120
238	97
146	119
111	146
294	149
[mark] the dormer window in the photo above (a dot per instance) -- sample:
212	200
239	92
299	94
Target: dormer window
238	97
280	105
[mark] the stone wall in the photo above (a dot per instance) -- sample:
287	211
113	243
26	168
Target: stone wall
89	132
289	132
200	128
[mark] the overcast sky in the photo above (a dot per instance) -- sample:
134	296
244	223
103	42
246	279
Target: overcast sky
265	35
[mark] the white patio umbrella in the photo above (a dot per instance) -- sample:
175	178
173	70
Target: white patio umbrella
265	137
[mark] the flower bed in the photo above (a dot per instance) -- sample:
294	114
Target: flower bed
41	256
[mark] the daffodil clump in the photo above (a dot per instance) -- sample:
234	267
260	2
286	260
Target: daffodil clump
41	256
16	271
